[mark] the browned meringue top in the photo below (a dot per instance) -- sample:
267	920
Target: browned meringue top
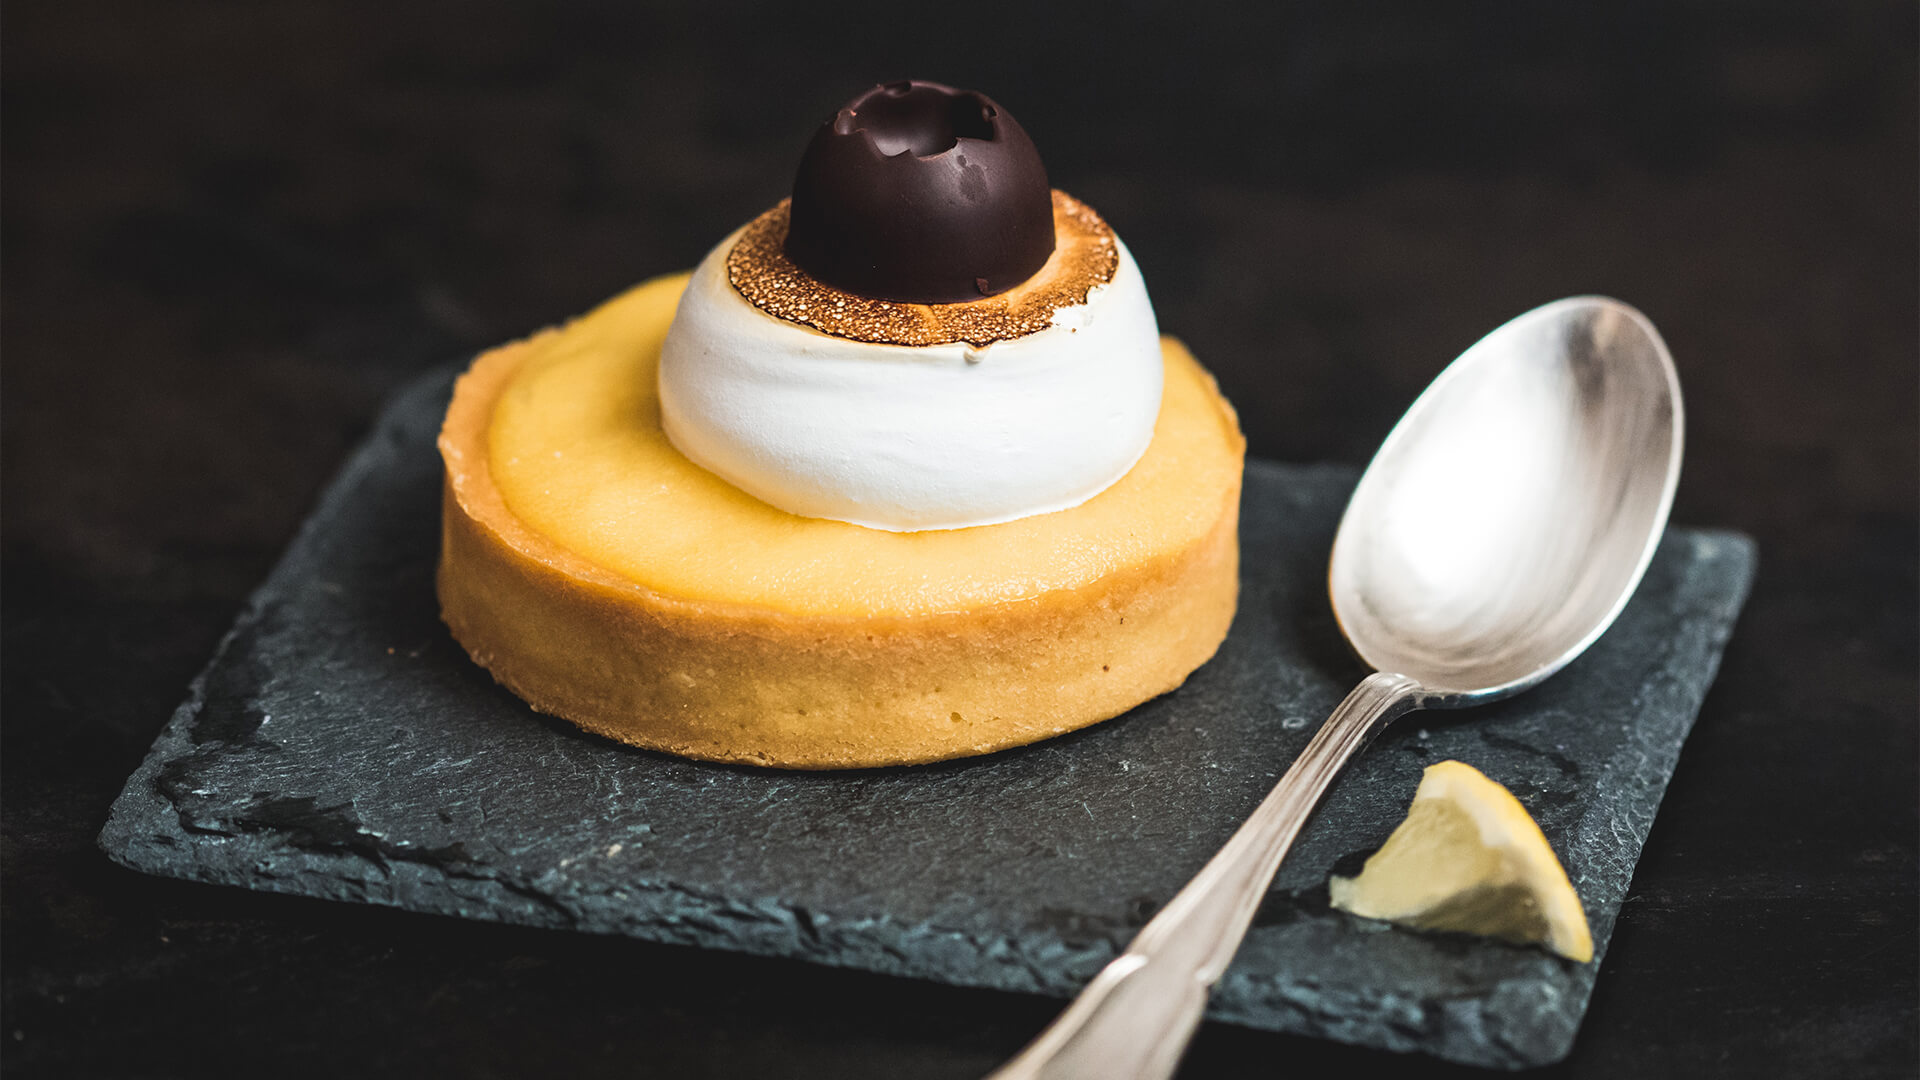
1085	256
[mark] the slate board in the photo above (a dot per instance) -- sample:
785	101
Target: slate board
341	745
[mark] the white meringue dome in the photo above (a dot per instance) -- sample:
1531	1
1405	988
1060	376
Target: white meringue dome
909	438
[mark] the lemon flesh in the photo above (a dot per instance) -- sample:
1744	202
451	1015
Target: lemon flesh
1468	858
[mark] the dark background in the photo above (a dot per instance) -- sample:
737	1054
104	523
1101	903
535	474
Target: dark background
231	228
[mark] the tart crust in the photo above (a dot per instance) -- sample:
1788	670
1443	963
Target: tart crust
723	680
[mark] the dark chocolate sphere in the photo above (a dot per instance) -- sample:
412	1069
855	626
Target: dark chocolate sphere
918	192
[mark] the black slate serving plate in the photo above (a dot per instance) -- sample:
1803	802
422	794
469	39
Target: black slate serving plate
341	745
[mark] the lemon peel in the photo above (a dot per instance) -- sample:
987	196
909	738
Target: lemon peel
1469	858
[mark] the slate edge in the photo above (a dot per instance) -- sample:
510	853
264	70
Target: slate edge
1516	1026
145	832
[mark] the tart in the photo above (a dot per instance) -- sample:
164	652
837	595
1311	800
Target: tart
602	575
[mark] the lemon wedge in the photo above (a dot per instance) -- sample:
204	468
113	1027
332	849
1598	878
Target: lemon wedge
1468	858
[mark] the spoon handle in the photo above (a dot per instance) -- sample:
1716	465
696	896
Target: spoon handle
1133	1021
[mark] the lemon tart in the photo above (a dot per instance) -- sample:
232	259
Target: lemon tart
950	573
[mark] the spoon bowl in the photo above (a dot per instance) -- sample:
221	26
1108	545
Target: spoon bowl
1498	532
1510	514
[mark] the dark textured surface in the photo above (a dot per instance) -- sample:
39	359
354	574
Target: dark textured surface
231	230
343	747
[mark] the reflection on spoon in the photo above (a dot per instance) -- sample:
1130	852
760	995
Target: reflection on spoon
1497	533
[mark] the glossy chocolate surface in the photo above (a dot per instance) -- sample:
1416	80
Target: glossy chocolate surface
919	192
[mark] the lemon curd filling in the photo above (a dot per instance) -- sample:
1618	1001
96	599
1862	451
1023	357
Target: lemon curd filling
576	450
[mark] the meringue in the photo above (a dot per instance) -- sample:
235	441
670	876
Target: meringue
912	438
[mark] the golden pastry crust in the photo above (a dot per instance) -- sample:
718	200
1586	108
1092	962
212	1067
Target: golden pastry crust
727	681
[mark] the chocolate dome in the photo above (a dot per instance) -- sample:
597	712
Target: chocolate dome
918	192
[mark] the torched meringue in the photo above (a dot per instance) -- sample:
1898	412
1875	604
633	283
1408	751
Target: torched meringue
910	438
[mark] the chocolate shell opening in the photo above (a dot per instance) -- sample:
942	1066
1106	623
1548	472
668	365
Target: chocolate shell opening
921	193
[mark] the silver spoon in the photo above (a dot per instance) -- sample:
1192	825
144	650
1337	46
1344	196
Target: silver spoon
1499	530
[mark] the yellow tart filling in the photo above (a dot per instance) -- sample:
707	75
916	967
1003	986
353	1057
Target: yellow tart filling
576	451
